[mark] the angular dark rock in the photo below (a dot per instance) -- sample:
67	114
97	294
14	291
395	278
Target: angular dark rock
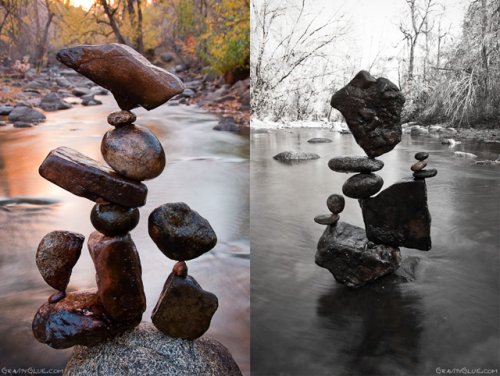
133	152
130	77
362	185
345	251
422	155
56	255
398	216
319	140
180	232
80	91
335	203
326	219
121	118
355	164
184	310
372	109
78	319
112	219
118	276
52	102
423	174
26	114
85	177
295	156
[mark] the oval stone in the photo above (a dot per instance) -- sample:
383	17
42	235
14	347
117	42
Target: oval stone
56	255
112	219
133	152
418	166
431	172
335	203
362	185
420	156
326	219
121	118
355	164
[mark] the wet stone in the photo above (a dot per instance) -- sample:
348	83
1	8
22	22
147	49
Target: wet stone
420	156
362	185
398	216
184	309
87	178
118	276
319	140
121	118
130	77
112	219
352	259
423	174
372	109
78	319
295	156
133	152
56	255
335	203
326	219
420	165
355	164
180	232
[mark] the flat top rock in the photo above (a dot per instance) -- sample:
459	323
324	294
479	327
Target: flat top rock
355	164
130	77
295	156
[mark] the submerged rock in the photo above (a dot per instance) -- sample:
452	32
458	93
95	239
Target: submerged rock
295	156
26	114
372	109
353	260
146	351
362	185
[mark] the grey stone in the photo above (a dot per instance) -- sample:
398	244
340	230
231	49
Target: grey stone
5	110
423	174
353	260
23	124
355	164
362	185
295	156
52	102
335	203
89	100
80	91
326	219
146	351
422	155
26	114
227	124
319	140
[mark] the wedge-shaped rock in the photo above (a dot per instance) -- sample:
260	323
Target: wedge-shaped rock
353	260
118	275
184	309
372	109
78	319
399	215
132	79
84	177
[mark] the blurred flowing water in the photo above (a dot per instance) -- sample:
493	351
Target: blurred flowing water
208	170
440	310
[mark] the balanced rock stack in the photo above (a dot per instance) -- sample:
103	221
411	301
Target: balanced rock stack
397	216
134	154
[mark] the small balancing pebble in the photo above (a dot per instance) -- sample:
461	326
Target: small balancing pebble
420	165
422	155
121	118
335	203
431	172
327	219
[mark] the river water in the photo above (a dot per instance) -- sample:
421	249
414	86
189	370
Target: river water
440	310
208	170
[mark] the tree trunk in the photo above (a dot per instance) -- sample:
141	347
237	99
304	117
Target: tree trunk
112	22
140	37
484	52
412	58
42	44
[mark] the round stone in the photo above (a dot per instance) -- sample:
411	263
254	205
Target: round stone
355	164
431	172
121	118
418	166
180	269
134	152
111	219
420	156
326	219
362	185
335	203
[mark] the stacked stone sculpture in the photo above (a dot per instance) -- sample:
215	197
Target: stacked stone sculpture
397	216
133	154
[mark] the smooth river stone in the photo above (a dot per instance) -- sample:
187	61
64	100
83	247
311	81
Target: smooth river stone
184	309
362	185
56	255
85	177
422	155
118	275
355	164
180	232
372	109
335	203
133	152
121	118
399	216
326	219
78	319
420	165
352	259
423	174
319	140
130	77
112	219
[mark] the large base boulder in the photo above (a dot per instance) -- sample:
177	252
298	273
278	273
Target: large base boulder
146	351
353	260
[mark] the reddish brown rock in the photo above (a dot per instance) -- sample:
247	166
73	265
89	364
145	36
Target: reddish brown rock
84	177
121	118
184	309
112	219
133	152
372	109
56	255
118	275
132	79
78	319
